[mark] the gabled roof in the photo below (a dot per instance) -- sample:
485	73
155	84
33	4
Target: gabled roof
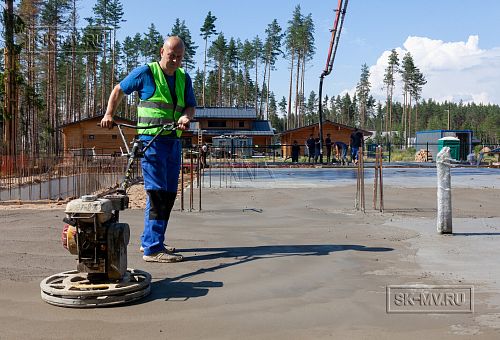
98	117
365	132
225	112
259	128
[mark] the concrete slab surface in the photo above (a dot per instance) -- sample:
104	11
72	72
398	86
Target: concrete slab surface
272	263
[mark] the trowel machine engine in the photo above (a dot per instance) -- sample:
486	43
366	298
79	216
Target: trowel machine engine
93	232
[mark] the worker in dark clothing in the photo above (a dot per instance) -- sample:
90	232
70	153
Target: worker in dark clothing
295	152
356	143
328	144
310	147
341	152
317	149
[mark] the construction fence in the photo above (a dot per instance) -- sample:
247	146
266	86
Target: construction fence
33	178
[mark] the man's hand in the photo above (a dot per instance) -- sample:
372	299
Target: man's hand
107	121
114	99
183	123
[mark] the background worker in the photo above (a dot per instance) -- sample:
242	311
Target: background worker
167	96
328	144
356	142
310	148
317	150
341	152
295	152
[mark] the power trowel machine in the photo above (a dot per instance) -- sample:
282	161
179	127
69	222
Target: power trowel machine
93	233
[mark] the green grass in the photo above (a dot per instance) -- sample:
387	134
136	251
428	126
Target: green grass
403	155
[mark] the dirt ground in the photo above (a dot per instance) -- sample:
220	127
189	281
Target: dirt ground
270	264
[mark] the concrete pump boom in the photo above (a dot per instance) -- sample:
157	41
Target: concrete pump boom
334	43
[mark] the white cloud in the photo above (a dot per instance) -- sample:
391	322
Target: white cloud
454	70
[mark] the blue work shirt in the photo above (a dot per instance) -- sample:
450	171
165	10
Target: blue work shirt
141	80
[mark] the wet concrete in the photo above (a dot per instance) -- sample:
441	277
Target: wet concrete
272	263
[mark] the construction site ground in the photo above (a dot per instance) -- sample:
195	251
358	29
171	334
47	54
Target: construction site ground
271	263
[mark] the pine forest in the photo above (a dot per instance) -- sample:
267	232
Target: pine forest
58	68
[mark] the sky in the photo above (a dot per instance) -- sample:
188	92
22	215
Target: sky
455	43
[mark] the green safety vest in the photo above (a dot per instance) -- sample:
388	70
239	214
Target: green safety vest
159	108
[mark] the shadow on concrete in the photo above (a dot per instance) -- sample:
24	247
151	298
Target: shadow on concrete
177	288
476	234
170	290
274	251
405	210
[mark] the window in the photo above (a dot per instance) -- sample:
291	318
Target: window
217	124
91	137
114	136
241	124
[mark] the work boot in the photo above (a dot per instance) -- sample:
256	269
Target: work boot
168	249
162	257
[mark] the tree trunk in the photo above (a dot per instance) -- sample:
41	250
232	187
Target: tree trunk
204	75
268	90
10	102
410	109
94	85
219	83
263	84
290	119
87	90
256	84
297	91
245	85
112	80
302	89
416	115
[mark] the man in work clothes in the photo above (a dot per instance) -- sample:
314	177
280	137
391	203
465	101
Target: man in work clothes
341	152
328	144
310	148
166	94
356	143
295	152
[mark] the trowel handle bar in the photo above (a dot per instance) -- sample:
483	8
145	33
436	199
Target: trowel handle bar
166	127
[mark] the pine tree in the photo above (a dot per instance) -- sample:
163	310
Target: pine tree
246	55
180	29
115	14
311	108
292	46
363	93
108	15
231	70
418	80
257	54
407	75
152	43
207	30
53	16
272	49
218	52
389	82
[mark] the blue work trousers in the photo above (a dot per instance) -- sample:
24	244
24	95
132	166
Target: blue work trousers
160	168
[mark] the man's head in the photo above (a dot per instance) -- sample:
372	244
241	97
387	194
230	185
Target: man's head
171	54
328	135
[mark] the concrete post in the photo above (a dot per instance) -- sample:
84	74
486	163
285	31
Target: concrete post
444	216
